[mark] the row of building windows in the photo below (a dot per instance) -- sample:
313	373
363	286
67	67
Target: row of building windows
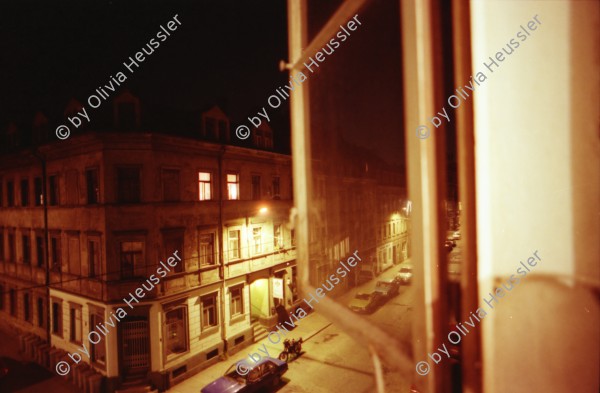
128	188
176	319
131	252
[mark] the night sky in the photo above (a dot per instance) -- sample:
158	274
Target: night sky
224	53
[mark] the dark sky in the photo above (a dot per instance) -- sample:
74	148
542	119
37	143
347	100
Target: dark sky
224	52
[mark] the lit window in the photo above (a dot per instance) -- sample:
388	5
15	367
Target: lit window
234	245
204	186
233	186
237	304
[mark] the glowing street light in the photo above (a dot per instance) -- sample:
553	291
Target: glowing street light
263	210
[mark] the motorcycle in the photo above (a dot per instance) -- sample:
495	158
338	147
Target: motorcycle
290	347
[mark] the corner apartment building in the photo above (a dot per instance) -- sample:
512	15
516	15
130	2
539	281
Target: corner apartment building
85	221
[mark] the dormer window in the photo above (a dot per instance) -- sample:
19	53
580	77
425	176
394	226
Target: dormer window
126	109
215	125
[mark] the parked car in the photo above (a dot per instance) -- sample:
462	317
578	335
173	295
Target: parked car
388	287
266	373
404	276
365	276
364	302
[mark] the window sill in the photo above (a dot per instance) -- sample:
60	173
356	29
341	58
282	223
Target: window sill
208	331
237	319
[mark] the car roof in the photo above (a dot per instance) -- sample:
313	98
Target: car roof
386	280
265	360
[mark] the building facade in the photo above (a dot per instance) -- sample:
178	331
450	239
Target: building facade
85	222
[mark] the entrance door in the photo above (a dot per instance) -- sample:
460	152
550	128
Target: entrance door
135	347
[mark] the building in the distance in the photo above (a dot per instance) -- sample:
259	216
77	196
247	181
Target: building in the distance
86	221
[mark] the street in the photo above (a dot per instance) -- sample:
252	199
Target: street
331	360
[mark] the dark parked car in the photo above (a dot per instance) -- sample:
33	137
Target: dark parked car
366	302
264	374
388	287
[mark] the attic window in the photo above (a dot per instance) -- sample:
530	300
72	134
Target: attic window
126	115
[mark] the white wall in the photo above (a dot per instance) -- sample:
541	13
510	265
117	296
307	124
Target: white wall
538	188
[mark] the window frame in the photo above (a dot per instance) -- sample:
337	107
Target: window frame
214	296
233	185
203	184
233	313
169	353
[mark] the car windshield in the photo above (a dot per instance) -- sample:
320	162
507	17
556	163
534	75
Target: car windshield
363	296
384	284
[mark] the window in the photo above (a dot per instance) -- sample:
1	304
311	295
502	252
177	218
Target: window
127	115
176	323
210	125
293	235
223	130
209	311
174	242
170	184
40	312
277	237
92	186
12	297
55	253
257	238
10	193
268	139
233	186
12	247
53	197
39	250
57	318
255	187
75	330
276	189
204	186
71	187
26	242
97	351
74	255
237	304
128	185
234	245
132	262
207	249
94	264
37	188
25	192
26	307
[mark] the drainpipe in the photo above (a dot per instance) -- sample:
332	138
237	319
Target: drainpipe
46	242
221	258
